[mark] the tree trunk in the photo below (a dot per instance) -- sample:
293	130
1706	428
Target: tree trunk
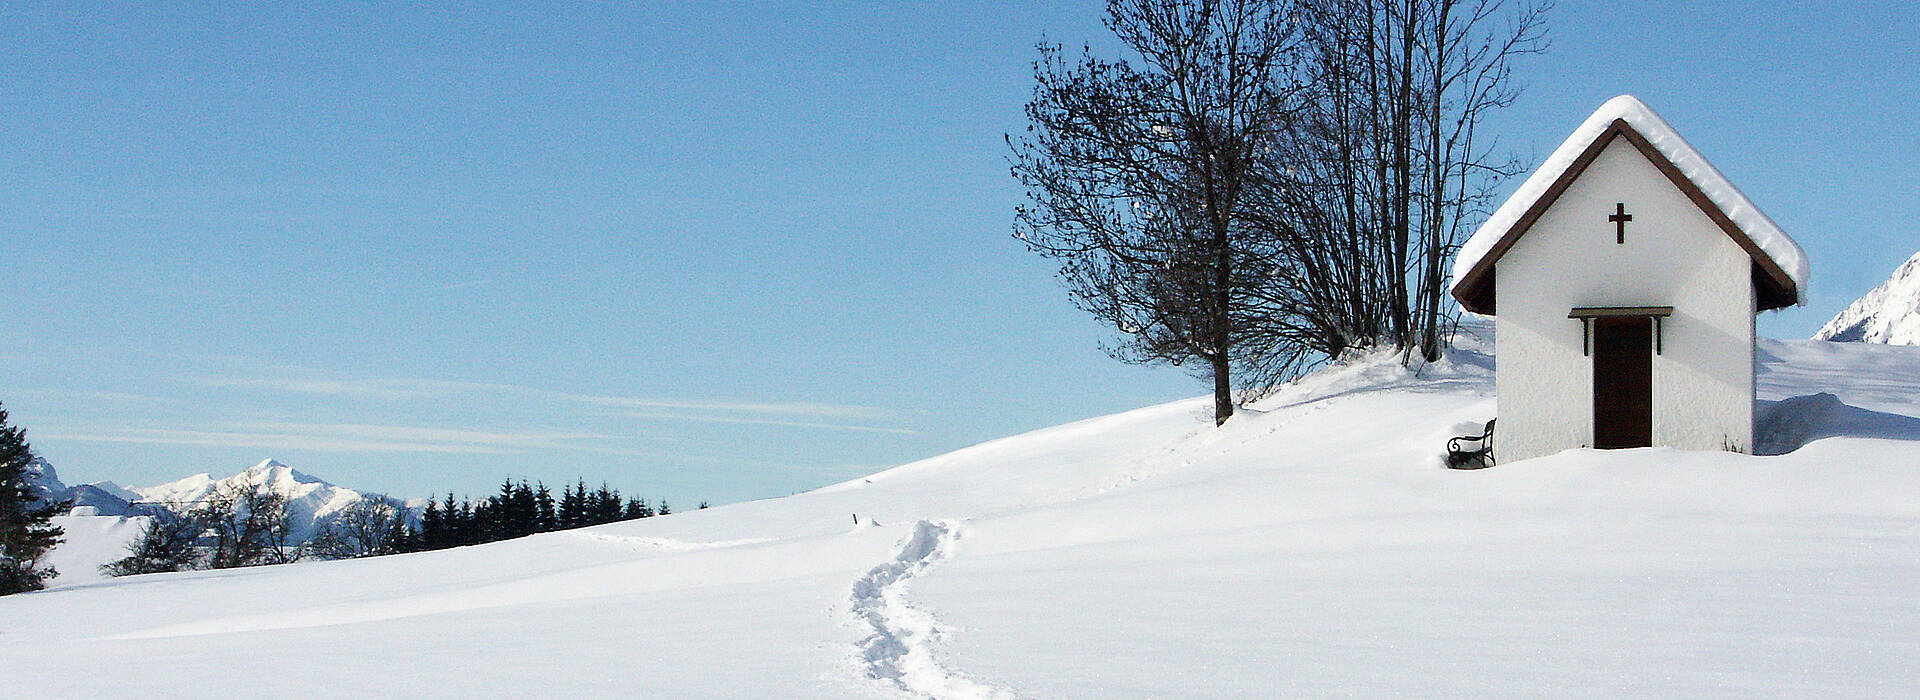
1222	390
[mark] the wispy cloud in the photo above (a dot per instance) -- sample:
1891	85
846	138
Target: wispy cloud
822	410
309	382
272	441
116	397
351	437
709	418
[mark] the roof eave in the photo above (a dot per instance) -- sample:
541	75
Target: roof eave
1774	288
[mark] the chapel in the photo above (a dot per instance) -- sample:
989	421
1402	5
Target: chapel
1624	276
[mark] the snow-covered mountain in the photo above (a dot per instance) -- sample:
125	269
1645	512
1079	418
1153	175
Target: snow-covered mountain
310	500
1312	546
99	499
43	482
1889	314
106	517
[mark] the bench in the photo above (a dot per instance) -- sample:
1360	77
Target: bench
1479	456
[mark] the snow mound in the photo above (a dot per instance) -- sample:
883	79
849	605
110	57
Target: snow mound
1789	424
1889	314
1751	221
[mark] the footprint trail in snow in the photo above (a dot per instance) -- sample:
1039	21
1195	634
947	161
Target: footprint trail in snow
900	649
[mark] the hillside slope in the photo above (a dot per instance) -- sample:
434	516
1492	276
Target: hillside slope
1312	546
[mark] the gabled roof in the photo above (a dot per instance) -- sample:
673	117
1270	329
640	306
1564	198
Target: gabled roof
1779	266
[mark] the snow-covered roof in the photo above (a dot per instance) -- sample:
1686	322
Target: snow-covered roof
1470	274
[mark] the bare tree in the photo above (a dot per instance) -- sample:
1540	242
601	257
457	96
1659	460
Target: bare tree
249	526
371	526
1385	171
167	544
1138	175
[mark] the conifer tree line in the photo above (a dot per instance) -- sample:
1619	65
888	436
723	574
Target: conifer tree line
520	509
1260	186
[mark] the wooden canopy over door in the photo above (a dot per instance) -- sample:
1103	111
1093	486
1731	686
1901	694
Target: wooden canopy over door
1622	382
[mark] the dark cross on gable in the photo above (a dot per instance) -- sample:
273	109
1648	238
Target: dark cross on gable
1620	218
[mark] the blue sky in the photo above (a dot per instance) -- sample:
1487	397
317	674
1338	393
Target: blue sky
697	250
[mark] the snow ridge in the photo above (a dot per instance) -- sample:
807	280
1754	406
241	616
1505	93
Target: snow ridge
1889	314
900	649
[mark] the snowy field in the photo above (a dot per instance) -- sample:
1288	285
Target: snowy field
1313	546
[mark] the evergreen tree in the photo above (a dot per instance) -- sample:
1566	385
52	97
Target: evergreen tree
606	505
545	520
433	527
573	506
526	515
637	508
664	508
501	516
26	527
469	530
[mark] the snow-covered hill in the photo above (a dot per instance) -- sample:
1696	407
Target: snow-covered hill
1889	314
91	541
1313	546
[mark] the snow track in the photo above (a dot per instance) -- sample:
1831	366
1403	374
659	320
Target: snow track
900	649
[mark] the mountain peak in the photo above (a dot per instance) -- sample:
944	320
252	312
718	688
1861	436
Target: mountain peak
309	500
1889	314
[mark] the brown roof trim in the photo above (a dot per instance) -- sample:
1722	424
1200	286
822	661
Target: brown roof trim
1772	286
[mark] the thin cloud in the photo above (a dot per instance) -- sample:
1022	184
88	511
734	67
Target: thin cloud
428	434
212	438
378	389
120	397
296	380
799	408
706	418
354	437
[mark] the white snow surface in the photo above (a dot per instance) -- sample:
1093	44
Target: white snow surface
1888	314
1755	223
91	541
1313	545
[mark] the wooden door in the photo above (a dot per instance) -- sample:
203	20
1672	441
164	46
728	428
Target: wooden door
1622	382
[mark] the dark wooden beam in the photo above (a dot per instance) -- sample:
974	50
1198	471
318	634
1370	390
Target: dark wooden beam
1616	311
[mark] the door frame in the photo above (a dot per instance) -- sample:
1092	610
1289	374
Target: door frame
1647	323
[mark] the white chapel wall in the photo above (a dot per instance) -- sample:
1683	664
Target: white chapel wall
1673	256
